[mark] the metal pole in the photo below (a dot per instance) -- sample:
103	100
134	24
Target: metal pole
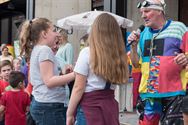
29	9
110	5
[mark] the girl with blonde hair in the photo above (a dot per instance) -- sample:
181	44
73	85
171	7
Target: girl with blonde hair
99	68
37	37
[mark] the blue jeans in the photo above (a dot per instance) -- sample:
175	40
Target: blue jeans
80	117
65	114
47	113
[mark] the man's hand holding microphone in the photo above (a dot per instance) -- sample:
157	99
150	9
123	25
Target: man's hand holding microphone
134	36
133	41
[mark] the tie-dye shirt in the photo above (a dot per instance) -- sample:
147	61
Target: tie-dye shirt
161	76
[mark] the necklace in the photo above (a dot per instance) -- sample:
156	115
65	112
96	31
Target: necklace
150	79
152	43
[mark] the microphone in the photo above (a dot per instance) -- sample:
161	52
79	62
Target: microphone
138	31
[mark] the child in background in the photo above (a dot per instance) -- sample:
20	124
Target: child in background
22	64
15	102
17	67
17	64
5	69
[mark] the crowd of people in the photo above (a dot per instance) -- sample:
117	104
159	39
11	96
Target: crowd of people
43	86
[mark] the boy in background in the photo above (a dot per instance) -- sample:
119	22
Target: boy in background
15	102
5	69
16	64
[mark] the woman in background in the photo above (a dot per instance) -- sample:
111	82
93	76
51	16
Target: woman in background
65	55
5	54
65	51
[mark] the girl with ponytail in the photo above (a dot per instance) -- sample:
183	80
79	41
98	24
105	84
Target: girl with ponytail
37	37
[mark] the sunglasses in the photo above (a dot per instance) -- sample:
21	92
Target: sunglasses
146	4
59	29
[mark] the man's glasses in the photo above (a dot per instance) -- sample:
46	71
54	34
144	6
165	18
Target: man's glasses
146	4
